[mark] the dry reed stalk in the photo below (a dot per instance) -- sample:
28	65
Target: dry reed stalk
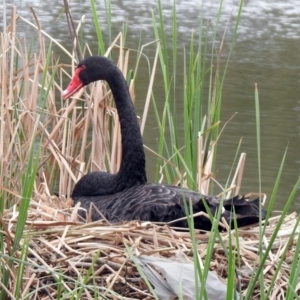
237	178
149	92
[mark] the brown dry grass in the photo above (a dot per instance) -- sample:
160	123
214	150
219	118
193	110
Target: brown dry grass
59	244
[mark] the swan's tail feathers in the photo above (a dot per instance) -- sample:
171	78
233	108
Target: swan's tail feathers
245	212
237	209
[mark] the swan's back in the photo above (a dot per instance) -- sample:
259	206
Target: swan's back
164	203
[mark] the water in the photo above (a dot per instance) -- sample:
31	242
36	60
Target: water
267	52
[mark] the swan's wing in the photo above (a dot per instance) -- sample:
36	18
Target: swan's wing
164	203
150	202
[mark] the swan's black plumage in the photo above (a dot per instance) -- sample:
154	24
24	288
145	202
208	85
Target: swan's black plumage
126	195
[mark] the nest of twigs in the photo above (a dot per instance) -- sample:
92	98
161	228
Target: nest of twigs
95	254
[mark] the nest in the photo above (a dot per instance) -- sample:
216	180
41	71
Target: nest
92	257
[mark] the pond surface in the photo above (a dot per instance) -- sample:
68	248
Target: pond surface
267	52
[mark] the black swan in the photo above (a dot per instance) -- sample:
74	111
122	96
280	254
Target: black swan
126	195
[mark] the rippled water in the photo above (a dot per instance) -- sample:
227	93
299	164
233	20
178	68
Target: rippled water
267	52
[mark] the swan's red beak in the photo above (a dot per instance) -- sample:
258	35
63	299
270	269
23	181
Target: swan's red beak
74	86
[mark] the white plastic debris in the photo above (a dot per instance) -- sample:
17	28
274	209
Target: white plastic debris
171	278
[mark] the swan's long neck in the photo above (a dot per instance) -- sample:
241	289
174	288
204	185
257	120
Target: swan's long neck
132	170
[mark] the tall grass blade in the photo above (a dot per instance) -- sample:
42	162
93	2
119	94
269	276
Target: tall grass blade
257	114
101	45
272	239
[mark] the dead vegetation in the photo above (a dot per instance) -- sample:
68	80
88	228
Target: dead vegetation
94	254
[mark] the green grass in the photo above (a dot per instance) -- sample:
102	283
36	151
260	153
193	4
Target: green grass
46	145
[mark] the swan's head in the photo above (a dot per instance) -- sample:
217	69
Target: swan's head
88	70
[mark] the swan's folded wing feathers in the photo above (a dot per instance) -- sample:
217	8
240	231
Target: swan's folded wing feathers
150	202
163	203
